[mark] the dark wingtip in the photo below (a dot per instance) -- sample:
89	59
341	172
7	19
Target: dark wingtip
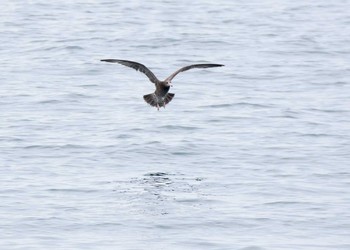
216	65
109	60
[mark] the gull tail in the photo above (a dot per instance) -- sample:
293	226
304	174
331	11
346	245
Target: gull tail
152	99
168	98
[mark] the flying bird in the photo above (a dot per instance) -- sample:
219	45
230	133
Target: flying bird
161	95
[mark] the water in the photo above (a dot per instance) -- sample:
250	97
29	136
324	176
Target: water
250	156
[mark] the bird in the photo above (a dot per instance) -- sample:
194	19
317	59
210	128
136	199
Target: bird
161	95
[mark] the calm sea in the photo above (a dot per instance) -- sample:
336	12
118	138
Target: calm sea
251	156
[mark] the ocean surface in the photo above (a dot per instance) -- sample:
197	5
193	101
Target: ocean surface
251	156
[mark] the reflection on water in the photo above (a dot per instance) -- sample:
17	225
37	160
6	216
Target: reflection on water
158	191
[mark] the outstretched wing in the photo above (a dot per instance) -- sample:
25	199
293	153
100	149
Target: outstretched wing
137	66
191	67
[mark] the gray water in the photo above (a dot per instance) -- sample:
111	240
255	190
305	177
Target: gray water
250	156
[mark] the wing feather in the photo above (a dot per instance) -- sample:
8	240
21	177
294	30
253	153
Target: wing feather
205	65
137	66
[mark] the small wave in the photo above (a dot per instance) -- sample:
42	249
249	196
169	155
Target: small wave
65	146
124	136
273	203
69	47
71	190
179	127
218	105
283	116
257	105
153	142
183	153
241	104
49	48
156	174
74	47
77	96
89	85
188	200
316	135
340	83
329	110
252	248
49	102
